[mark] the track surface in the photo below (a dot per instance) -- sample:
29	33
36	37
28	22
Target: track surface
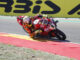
59	48
70	27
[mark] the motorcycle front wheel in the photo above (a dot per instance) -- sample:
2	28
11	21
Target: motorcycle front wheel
59	34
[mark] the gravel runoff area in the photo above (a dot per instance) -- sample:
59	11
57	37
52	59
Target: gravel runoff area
10	52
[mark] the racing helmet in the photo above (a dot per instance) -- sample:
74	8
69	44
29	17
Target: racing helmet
26	19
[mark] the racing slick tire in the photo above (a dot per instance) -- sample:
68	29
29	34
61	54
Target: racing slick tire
59	34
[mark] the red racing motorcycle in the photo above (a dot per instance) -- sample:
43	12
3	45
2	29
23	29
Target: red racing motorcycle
48	29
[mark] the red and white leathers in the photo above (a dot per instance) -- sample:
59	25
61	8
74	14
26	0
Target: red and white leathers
40	24
27	25
44	24
37	22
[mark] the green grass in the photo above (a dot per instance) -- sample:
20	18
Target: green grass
10	52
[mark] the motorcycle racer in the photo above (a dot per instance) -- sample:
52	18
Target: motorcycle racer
36	25
29	25
41	26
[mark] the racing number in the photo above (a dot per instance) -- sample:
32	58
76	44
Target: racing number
7	6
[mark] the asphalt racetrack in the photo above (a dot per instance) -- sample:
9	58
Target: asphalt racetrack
70	26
